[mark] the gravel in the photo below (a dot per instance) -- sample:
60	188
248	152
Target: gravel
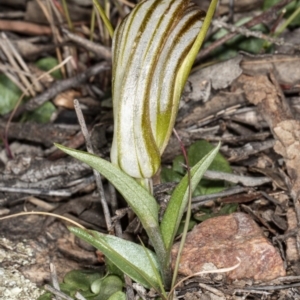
13	285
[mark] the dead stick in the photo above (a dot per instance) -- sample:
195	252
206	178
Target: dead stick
264	17
54	291
54	279
25	27
106	212
90	149
60	86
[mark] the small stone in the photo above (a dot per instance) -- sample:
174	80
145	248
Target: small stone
12	283
221	240
15	291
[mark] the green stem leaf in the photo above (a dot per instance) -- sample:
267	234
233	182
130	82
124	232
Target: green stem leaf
141	202
104	18
179	199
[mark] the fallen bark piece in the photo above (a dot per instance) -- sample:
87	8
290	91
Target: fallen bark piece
292	254
221	240
221	76
288	145
285	66
265	92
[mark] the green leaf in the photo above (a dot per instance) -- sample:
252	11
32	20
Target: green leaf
156	271
239	42
48	63
45	296
293	9
178	165
109	285
289	9
169	175
252	45
200	149
269	3
179	199
42	114
118	296
129	257
225	53
71	290
81	279
195	153
96	286
141	202
9	94
207	187
112	269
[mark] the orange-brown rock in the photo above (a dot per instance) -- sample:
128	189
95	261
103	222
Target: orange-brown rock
221	240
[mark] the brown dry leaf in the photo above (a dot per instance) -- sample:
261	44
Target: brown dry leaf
66	246
31	51
274	174
65	99
45	79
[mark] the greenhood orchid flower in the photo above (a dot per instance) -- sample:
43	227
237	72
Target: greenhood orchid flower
153	52
152	57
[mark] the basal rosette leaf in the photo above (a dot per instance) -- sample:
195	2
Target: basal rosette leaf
129	257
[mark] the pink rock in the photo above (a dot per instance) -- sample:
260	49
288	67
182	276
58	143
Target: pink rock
221	240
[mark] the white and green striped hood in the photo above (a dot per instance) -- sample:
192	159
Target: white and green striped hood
150	61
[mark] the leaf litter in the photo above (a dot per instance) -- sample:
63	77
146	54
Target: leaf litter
250	103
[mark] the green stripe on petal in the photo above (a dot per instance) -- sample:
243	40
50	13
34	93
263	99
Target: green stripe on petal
149	47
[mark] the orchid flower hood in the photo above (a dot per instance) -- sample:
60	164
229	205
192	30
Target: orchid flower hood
150	47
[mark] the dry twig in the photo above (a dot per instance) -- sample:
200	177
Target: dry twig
89	148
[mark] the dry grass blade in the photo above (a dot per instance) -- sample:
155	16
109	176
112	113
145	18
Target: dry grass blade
42	214
223	270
